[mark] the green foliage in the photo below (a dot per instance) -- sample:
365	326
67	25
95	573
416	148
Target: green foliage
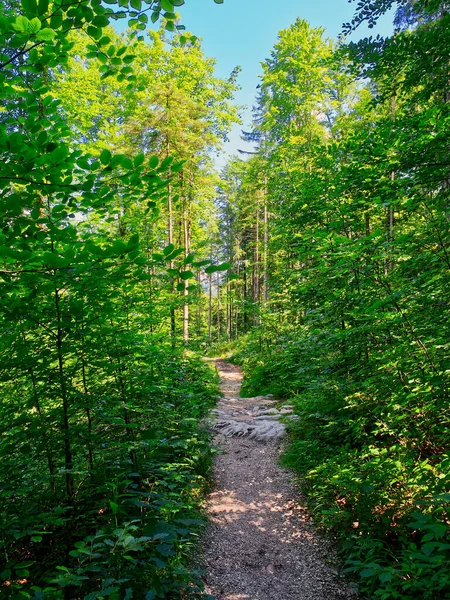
103	458
356	325
134	515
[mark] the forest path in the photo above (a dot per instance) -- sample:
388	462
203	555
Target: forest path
260	543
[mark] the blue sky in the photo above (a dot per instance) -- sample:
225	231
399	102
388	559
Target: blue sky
243	32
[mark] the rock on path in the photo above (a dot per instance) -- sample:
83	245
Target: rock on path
260	543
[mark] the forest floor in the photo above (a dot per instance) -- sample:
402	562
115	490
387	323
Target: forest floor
260	543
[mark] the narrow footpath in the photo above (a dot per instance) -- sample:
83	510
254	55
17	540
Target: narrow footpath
260	543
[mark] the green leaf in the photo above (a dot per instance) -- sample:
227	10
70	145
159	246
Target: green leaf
54	261
95	32
177	167
105	157
166	5
201	263
43	7
139	160
126	162
34	25
185	275
214	268
21	24
59	155
224	266
368	572
166	162
168	249
136	4
5	24
46	34
94	249
30	7
153	162
428	548
100	21
133	241
120	247
175	253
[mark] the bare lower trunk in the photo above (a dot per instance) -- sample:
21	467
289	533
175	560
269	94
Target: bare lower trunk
218	306
266	243
210	307
187	249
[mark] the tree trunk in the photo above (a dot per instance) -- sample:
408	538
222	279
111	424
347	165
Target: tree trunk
218	306
170	240
266	242
257	265
210	307
187	249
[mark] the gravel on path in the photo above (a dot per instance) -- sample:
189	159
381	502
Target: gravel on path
260	543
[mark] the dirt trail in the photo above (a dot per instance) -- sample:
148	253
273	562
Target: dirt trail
260	543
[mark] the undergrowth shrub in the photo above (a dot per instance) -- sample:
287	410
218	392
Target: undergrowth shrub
372	459
135	524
